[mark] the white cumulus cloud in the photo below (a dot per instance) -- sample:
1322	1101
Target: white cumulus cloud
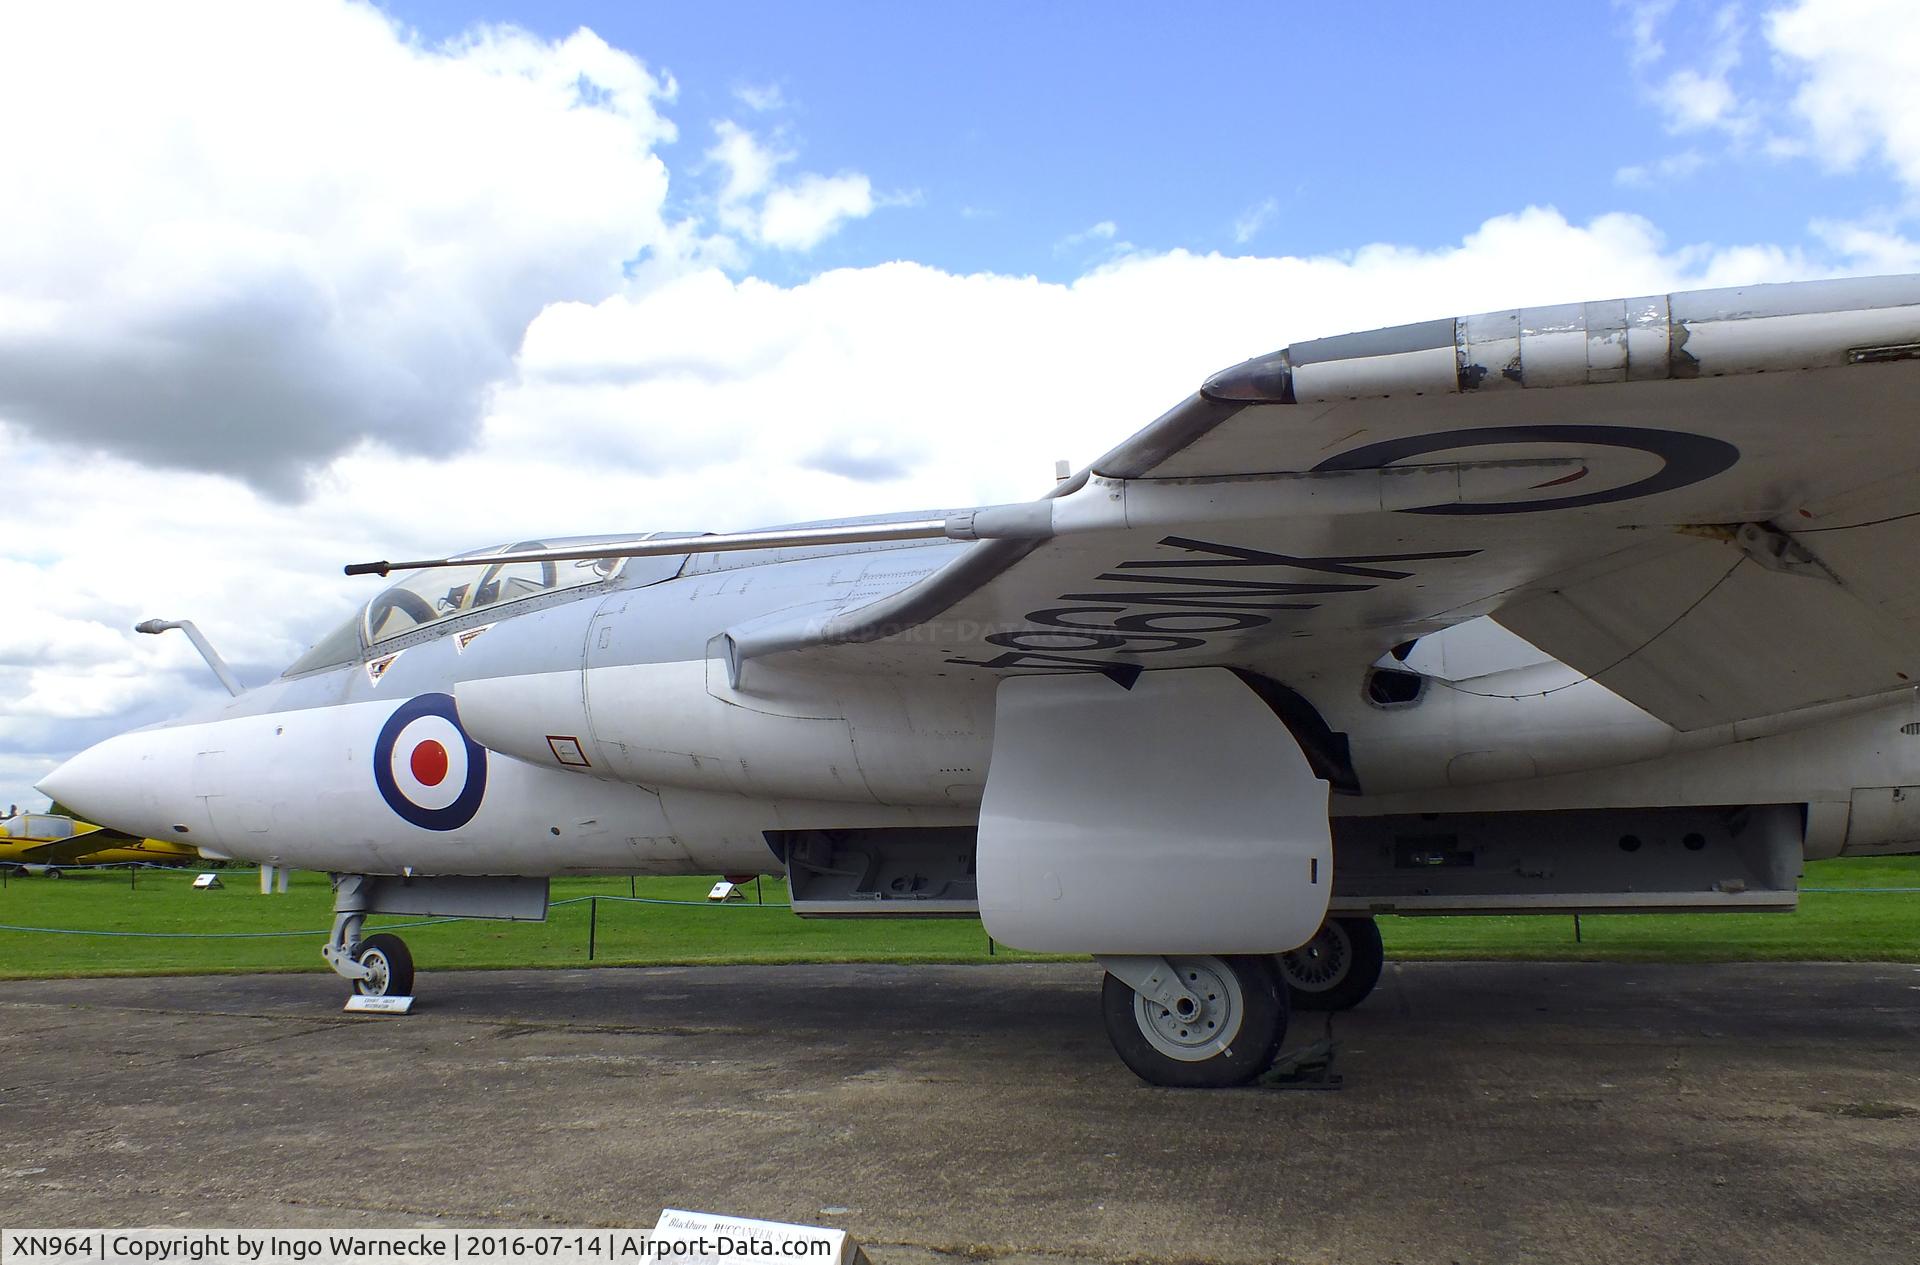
1830	82
1858	63
801	215
1670	168
1247	225
1644	20
794	215
1701	96
245	237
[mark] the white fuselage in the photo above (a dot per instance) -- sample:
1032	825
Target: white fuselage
669	769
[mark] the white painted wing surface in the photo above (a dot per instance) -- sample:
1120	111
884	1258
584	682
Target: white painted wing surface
1698	498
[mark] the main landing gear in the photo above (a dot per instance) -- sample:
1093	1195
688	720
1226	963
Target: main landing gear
1194	1022
1215	1022
1337	968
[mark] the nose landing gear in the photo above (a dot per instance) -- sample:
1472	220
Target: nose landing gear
388	964
379	965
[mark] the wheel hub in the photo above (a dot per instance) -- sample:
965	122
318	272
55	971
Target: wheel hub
375	985
1321	962
1197	1027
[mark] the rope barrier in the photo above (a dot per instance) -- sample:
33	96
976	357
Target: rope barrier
208	935
558	904
391	926
657	900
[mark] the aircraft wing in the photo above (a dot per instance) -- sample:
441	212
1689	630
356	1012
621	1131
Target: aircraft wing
1701	499
49	851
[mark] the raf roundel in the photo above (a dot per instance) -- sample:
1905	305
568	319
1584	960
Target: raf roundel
426	768
1685	459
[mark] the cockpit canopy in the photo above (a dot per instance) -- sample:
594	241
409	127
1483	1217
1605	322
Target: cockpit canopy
428	597
37	826
436	595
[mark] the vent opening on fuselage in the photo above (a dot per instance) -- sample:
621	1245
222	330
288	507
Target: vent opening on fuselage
1388	687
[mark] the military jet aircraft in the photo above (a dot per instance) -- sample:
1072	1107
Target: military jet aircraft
1604	606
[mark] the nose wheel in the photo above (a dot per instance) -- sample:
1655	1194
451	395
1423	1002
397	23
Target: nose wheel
378	965
388	964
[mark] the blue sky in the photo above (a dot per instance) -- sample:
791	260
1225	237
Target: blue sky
1318	127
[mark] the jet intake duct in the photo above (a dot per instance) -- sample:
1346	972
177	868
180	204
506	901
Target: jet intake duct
681	724
1178	816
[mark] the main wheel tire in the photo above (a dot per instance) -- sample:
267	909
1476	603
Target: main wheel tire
1228	1041
386	956
1337	968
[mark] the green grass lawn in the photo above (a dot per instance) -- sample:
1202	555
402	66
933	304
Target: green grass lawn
1830	926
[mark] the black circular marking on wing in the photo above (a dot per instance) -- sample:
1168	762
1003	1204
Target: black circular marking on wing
1685	458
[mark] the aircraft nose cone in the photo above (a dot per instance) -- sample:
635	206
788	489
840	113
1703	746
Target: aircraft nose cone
83	784
116	783
67	784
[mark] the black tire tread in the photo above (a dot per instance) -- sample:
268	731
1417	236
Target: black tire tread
399	962
1369	959
1251	1053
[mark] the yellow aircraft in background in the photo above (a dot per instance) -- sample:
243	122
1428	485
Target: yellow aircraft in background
54	839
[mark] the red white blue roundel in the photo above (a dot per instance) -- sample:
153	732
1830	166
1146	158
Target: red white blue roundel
426	767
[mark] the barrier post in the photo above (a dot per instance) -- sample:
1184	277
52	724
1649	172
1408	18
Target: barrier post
593	924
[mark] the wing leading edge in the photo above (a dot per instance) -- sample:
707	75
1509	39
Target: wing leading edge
1697	498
